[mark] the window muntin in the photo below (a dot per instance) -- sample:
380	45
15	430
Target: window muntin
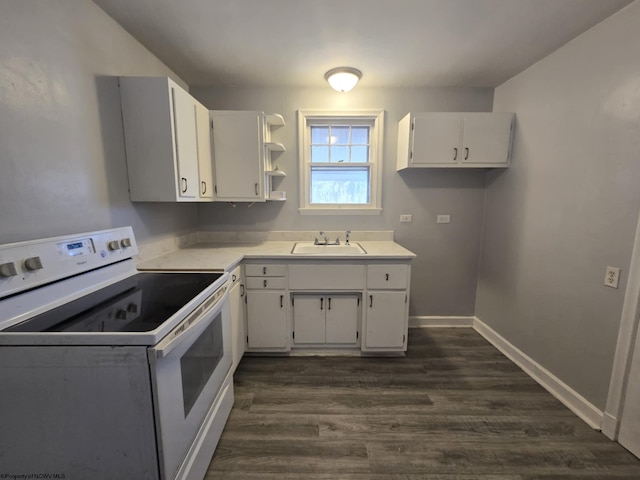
339	164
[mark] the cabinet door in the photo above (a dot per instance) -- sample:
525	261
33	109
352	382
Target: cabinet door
342	319
266	320
487	138
238	335
186	143
238	155
435	140
385	322
309	319
205	165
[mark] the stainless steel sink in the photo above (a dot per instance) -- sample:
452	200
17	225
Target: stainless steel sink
309	248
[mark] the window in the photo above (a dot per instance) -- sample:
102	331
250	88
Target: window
340	162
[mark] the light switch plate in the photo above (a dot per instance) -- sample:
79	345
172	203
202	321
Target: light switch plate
406	218
443	219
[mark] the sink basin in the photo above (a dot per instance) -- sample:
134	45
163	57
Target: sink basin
308	248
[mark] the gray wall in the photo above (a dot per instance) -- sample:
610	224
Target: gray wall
568	206
445	272
62	162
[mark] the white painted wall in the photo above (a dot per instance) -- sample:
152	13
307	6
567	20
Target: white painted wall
445	271
62	162
568	206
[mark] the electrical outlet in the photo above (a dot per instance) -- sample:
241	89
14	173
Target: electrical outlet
406	218
443	219
612	277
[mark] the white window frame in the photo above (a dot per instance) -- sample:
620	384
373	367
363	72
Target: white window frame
305	119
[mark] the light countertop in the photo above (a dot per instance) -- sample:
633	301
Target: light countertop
225	256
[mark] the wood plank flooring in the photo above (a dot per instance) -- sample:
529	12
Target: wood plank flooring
454	409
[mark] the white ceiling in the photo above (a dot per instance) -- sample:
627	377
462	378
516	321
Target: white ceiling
397	43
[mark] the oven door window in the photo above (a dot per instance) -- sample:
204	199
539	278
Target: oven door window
199	362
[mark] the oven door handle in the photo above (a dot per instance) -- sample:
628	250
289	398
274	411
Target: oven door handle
191	326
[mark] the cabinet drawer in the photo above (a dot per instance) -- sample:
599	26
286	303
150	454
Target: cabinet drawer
326	277
266	283
387	277
263	270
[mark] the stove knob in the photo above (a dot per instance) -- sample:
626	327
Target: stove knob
32	264
113	245
121	314
8	270
125	242
132	308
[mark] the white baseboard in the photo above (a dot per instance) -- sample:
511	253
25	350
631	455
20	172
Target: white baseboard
591	415
610	426
422	322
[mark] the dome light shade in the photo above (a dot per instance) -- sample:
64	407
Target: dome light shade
343	79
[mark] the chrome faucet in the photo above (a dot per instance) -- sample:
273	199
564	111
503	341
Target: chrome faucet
326	240
347	237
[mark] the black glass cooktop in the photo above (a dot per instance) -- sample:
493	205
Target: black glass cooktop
139	303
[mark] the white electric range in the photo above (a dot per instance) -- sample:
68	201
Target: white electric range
108	372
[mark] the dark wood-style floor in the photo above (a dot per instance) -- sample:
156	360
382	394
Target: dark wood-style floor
454	408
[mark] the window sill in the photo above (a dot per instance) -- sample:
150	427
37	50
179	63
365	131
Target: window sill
340	211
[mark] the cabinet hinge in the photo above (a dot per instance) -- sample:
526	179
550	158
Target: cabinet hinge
292	301
358	301
357	334
211	124
247	338
406	298
413	125
245	298
404	337
215	189
293	334
411	155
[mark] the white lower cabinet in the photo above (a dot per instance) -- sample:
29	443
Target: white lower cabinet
325	320
238	331
267	327
386	325
327	304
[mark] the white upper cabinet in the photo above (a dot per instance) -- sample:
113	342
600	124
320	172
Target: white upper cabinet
165	140
242	151
467	140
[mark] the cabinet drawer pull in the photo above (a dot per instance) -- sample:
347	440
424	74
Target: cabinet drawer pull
184	185
329	303
233	278
281	300
204	188
241	290
455	153
387	276
256	187
370	301
264	270
466	153
321	303
264	283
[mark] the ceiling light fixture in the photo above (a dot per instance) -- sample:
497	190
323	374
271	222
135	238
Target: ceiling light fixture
343	79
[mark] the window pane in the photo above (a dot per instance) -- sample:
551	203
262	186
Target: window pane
360	135
320	135
319	154
339	135
339	154
340	185
359	154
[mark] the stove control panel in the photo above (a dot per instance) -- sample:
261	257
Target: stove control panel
25	265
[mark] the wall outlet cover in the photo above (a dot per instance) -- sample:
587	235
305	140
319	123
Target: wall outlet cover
612	277
443	219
